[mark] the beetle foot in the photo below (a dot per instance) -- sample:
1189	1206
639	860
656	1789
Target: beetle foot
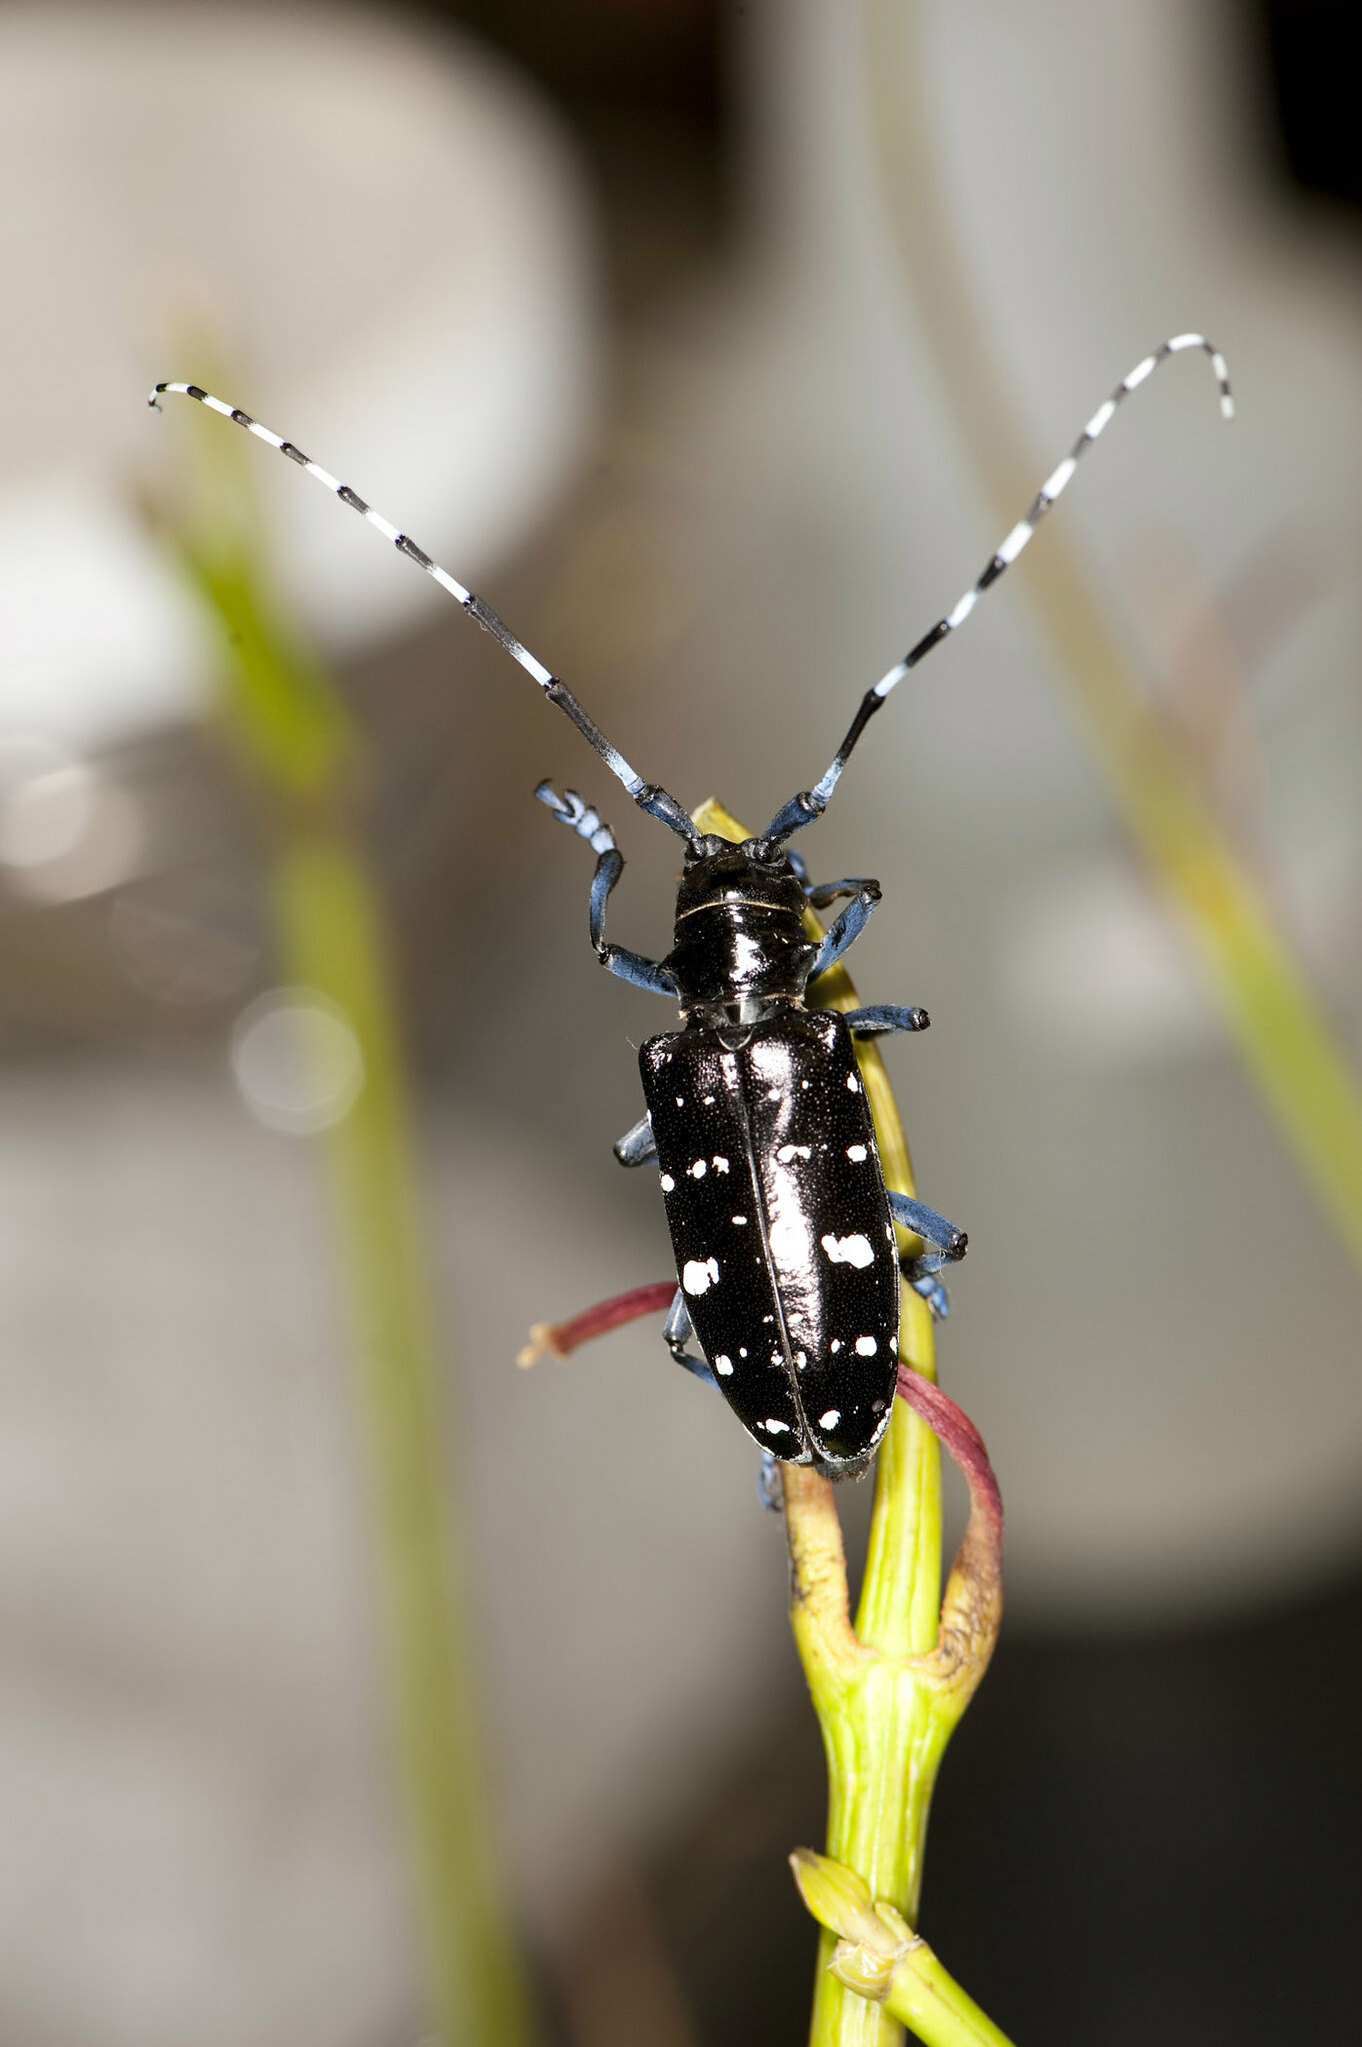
769	1485
934	1294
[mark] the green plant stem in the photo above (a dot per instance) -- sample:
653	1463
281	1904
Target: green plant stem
295	740
926	1998
330	940
887	1692
1287	1044
879	1958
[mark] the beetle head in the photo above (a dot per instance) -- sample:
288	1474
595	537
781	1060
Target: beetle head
718	871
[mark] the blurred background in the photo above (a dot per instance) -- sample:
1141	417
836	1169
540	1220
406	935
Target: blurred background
604	303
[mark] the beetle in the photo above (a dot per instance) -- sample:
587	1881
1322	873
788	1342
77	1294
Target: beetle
783	1229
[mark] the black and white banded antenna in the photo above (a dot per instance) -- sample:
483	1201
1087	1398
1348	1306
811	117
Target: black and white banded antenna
647	795
811	803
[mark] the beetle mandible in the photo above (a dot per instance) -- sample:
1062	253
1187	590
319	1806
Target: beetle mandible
782	1226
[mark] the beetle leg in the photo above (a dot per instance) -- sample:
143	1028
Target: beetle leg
637	971
770	1489
676	1334
926	1223
848	928
821	893
637	1145
935	1295
883	1017
920	1274
580	818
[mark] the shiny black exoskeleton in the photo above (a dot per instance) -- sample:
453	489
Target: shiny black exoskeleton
781	1223
778	1210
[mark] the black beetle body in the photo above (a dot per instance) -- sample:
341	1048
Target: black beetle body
780	1223
757	1109
775	1197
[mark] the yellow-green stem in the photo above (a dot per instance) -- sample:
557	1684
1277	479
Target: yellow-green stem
885	1715
926	1997
331	940
296	742
880	1960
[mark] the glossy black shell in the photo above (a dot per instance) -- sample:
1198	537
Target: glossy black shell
785	1248
739	939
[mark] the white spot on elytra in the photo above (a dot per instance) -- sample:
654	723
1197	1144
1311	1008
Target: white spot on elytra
742	1350
775	1357
853	1084
709	1102
774	1095
698	1278
801	1359
775	1428
830	1419
788	1239
723	1366
667	1183
740	1219
866	1346
698	1170
793	1151
805	1083
680	1101
857	1153
720	1164
849	1250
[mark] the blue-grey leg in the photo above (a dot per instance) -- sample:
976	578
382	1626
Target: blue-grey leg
882	1017
926	1223
920	1274
677	1333
636	1146
847	929
770	1490
821	893
580	818
935	1295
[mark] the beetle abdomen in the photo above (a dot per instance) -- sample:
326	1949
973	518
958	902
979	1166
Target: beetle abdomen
784	1244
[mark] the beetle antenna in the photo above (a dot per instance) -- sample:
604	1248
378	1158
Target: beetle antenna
647	795
811	803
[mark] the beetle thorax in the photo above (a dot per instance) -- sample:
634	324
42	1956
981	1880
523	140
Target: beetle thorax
739	945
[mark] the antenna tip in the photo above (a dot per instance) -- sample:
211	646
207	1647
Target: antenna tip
1226	406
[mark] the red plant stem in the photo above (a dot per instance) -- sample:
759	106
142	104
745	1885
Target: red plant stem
972	1604
559	1339
957	1432
947	1421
